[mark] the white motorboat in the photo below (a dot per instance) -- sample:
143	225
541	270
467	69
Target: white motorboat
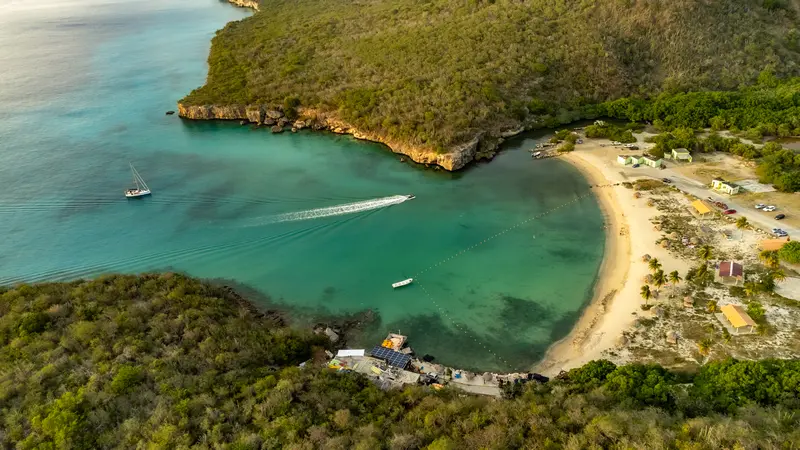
402	283
410	197
141	188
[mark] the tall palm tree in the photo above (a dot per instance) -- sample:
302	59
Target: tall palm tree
674	277
711	306
702	271
769	257
659	279
750	288
654	264
741	223
706	252
646	294
778	275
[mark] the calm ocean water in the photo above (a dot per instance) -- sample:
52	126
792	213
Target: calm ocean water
83	91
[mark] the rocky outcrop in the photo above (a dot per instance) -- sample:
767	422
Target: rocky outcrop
245	3
455	158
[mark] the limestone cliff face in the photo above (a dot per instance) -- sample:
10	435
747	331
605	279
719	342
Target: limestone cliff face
453	159
245	3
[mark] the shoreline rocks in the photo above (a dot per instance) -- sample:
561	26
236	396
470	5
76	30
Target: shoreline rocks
481	146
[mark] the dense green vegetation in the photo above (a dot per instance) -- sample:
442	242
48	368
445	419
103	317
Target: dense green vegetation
164	361
438	72
776	165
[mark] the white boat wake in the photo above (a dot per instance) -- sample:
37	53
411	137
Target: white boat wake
338	210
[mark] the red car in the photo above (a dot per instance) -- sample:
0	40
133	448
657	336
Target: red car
729	211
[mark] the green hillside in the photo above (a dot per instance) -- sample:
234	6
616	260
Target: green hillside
438	72
164	361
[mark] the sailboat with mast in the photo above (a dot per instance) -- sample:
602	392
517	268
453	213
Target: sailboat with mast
141	188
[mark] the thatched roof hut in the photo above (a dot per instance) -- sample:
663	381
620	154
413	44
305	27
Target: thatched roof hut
688	302
646	257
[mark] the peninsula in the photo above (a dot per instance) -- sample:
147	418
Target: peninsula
445	82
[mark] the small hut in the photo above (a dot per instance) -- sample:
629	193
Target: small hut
646	257
688	302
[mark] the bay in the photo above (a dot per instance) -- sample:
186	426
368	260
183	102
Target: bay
308	220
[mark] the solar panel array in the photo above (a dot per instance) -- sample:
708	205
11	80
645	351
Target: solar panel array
392	357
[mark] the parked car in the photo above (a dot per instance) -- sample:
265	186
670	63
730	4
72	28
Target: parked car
666	180
729	211
769	208
635	166
780	216
709	198
760	205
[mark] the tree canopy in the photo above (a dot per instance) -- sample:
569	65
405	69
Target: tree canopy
441	72
165	361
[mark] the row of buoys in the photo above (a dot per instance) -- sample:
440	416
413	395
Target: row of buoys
443	312
455	324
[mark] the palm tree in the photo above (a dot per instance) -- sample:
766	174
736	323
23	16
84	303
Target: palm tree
704	346
750	288
674	277
646	294
741	223
702	271
705	252
711	306
654	264
769	257
777	275
659	279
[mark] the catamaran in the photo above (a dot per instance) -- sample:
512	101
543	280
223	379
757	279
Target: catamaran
402	283
141	188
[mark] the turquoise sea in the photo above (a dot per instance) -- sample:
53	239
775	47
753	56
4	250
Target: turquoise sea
83	90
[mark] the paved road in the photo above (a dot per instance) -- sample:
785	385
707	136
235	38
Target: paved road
765	221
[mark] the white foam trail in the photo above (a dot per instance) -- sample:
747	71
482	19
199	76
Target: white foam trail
338	210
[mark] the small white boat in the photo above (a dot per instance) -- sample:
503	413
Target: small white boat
402	283
141	188
410	197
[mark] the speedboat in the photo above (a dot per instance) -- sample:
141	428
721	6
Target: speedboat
410	197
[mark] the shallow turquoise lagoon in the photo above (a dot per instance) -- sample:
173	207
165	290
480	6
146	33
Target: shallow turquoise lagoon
83	92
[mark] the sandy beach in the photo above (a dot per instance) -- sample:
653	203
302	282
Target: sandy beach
616	302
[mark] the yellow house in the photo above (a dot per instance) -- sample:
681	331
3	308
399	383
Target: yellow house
738	319
727	187
681	154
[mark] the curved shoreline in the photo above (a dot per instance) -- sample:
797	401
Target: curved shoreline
605	317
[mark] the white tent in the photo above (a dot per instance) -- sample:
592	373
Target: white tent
343	353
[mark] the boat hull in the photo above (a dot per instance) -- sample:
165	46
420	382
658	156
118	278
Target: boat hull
137	194
402	283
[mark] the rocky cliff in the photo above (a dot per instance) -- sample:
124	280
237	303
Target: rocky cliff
453	159
245	3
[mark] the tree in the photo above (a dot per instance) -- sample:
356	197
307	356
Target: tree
777	275
674	277
646	293
704	346
659	279
769	258
705	252
756	311
790	252
711	306
750	288
654	264
741	224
